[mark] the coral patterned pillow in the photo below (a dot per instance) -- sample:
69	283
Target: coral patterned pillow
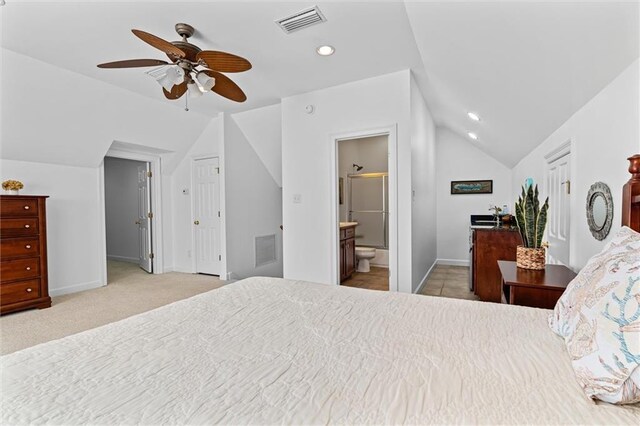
599	317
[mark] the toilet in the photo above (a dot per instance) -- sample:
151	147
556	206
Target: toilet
364	255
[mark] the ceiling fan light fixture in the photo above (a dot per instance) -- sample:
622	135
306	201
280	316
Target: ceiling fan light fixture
206	82
194	90
170	77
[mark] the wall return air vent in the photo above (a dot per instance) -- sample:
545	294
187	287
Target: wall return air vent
300	20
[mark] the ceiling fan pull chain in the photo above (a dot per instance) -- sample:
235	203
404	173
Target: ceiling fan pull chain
186	102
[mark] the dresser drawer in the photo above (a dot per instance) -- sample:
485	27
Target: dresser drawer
19	227
19	291
349	232
19	247
20	269
18	208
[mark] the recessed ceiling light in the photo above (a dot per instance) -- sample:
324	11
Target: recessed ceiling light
473	116
473	136
325	50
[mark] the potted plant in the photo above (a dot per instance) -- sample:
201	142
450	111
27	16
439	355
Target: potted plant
12	186
531	221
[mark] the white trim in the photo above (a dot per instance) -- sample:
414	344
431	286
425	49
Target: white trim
558	152
224	274
103	226
452	262
75	288
123	259
392	145
156	202
425	278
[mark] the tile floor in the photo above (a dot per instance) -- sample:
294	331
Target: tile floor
377	279
449	281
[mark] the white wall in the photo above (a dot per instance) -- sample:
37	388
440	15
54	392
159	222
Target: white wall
121	208
460	159
603	133
263	129
423	184
253	205
307	168
75	120
74	240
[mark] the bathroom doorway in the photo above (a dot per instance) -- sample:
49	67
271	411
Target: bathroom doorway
364	194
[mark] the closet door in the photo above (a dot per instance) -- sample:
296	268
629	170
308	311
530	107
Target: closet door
206	216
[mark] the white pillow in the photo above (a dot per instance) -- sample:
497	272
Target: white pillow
599	317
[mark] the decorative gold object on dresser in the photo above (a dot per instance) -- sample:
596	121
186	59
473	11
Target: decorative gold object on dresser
23	253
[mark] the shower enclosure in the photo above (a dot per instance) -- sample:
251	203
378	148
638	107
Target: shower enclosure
369	206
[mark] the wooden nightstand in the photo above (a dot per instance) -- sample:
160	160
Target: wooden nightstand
535	288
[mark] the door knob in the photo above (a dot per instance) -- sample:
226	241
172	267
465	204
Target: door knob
137	222
196	222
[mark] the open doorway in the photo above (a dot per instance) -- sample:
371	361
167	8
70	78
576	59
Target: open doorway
363	211
128	215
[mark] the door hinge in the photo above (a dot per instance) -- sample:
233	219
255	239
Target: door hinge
568	183
218	170
149	174
150	215
219	257
151	255
218	213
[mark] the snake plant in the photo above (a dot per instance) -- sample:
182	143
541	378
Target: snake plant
531	219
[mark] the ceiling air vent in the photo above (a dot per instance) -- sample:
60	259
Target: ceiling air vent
303	19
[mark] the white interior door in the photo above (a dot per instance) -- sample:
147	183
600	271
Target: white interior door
558	182
145	258
206	215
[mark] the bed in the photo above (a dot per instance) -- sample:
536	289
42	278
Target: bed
265	351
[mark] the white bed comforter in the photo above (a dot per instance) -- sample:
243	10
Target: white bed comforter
266	351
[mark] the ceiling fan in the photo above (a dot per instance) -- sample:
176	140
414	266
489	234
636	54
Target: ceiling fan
191	69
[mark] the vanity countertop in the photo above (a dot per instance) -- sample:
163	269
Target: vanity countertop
344	225
500	227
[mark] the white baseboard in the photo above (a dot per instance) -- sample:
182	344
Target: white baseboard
123	258
74	288
452	262
426	277
178	269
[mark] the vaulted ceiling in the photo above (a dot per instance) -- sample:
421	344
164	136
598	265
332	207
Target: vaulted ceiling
525	67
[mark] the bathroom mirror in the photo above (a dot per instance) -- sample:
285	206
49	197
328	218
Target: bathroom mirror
599	210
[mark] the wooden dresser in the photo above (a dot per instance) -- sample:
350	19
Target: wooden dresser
23	253
489	246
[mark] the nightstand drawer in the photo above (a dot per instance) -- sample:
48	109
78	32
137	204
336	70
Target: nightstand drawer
19	247
20	269
18	227
19	291
10	208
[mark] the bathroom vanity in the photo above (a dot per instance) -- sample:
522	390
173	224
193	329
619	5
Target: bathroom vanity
347	249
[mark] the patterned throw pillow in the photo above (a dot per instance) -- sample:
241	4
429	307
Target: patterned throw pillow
599	317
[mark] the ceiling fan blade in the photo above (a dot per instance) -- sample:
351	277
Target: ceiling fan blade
225	87
176	91
224	62
133	63
159	43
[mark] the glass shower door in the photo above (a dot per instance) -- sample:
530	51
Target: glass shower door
368	205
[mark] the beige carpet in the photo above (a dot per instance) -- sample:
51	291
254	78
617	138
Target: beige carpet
130	291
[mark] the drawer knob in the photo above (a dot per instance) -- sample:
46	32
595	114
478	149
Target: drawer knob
28	268
29	290
27	226
26	207
28	246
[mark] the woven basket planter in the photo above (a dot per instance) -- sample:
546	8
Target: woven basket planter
530	258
